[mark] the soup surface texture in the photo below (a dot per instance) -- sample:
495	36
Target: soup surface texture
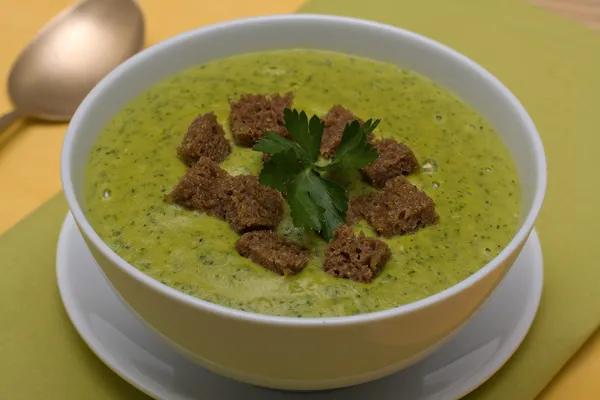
466	169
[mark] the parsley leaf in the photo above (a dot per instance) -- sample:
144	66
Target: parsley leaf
306	135
332	199
305	213
280	169
355	151
315	202
273	143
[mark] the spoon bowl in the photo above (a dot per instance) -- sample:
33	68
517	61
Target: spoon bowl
70	55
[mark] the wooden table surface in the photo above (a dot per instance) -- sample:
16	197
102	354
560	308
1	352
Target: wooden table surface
29	152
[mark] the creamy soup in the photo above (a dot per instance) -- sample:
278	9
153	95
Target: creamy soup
466	169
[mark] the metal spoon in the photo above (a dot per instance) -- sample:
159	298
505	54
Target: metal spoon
70	55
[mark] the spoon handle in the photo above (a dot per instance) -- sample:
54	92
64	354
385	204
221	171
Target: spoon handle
8	119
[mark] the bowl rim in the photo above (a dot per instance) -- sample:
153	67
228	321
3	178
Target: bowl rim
206	306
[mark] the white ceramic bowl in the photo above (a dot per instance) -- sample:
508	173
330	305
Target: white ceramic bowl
291	353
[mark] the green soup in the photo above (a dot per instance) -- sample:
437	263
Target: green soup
466	169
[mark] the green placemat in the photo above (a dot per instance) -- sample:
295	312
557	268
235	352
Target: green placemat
41	355
552	65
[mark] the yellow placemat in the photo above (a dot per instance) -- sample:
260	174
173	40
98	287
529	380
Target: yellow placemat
553	66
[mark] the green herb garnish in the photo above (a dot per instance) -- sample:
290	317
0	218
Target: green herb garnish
315	202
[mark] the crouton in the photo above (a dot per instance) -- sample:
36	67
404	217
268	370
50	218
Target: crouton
205	138
273	252
355	211
249	205
199	189
335	121
399	209
358	258
394	159
253	115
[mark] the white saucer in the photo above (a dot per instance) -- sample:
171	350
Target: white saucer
126	346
